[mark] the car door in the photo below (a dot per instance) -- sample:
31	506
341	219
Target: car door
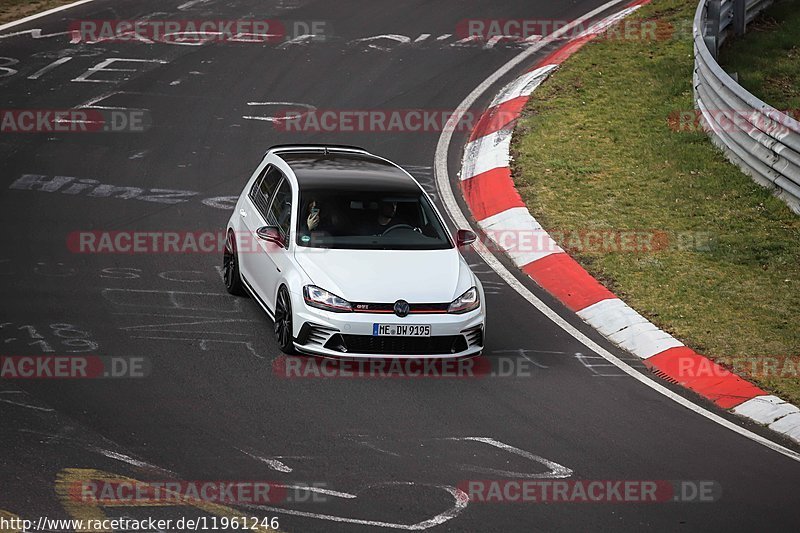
276	258
253	213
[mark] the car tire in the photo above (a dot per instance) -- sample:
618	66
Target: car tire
283	324
230	267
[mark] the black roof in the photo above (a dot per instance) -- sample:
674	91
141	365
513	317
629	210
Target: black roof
335	169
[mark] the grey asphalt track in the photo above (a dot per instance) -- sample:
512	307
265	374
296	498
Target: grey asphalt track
212	404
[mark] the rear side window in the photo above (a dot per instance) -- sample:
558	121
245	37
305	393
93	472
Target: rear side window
280	212
264	187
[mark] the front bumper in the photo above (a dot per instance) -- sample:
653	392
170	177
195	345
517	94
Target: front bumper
350	335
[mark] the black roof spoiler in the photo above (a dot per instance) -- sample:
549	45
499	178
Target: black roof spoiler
323	147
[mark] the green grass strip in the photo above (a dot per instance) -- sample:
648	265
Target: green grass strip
598	148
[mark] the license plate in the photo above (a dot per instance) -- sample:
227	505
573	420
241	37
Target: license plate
401	330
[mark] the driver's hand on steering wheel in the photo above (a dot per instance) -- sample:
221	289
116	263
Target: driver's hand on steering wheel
397	226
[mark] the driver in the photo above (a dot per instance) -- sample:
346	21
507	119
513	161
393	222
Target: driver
386	212
388	219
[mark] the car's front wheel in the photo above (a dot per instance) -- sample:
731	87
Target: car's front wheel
284	333
230	267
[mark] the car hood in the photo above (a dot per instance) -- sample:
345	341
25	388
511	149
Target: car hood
385	276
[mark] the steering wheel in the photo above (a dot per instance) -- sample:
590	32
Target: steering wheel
398	226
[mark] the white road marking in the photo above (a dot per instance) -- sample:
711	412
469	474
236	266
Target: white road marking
523	353
318	490
290	105
169	327
453	209
43	14
221	271
470	39
92	102
18	404
274	464
299	40
103	67
378	449
127	459
358	439
556	471
461	500
204	343
402	39
39	73
584	360
191	4
496	39
170	299
5	66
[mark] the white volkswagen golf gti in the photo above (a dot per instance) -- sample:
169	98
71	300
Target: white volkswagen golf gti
347	254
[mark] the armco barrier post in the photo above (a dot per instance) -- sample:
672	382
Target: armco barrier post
711	33
739	16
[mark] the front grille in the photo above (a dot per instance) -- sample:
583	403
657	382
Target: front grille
368	344
415	309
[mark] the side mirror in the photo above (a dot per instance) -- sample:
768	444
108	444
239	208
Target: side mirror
271	234
465	237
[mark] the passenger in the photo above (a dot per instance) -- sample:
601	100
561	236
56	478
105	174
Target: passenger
319	220
313	219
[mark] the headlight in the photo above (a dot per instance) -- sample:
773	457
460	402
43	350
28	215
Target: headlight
322	299
468	301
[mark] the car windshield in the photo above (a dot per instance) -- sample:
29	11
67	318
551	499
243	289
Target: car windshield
369	220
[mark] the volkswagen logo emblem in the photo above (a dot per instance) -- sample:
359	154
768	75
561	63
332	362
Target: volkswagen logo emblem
401	308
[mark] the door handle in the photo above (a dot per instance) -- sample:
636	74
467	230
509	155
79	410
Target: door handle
243	213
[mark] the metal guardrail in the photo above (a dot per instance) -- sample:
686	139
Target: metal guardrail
761	140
